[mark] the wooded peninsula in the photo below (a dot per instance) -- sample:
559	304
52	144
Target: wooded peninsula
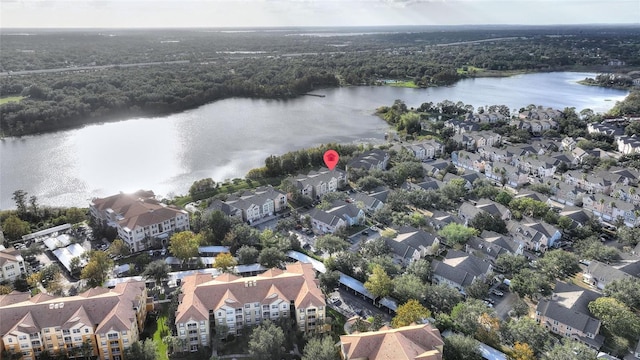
58	79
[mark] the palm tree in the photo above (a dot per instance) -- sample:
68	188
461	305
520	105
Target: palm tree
157	270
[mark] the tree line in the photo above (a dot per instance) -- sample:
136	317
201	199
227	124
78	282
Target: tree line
263	66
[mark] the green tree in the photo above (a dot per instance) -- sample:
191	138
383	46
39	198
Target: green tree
504	198
629	236
157	270
528	283
20	197
466	315
616	317
420	268
625	290
486	221
460	347
225	262
331	244
558	264
184	245
379	283
368	183
526	330
320	349
14	228
511	263
410	312
142	350
571	350
247	254
329	281
75	265
216	226
478	289
119	247
407	287
75	215
373	248
442	298
266	341
97	268
457	234
271	258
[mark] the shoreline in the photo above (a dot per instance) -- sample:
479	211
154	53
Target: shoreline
129	115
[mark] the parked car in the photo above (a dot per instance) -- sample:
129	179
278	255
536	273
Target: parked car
488	304
497	292
490	300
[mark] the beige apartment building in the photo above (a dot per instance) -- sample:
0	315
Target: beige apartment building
139	218
100	322
231	302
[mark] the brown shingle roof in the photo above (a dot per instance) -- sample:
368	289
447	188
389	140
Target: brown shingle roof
405	343
201	293
94	307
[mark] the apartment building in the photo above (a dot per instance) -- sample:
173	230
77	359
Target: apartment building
414	342
139	218
231	302
317	183
99	322
567	314
11	264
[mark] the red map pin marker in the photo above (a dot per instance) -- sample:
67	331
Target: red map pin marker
331	158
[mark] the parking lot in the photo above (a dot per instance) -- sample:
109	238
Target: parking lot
350	305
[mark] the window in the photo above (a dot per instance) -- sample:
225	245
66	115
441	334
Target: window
275	314
10	340
124	332
555	322
86	330
256	304
182	324
76	331
274	306
246	306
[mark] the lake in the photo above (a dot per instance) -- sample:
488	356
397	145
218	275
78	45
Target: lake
225	139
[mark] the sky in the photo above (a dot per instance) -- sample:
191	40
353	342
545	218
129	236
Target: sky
280	13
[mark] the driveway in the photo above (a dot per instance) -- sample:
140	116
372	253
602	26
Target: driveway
503	304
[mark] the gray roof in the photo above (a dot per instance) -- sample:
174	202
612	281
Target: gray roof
460	267
342	208
569	305
368	200
408	240
324	217
604	273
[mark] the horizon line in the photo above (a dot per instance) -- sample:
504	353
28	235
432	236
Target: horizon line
630	24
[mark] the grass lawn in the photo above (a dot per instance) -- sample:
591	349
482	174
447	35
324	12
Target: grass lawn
337	327
407	84
161	330
9	99
467	70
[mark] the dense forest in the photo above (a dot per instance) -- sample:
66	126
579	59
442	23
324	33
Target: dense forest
193	67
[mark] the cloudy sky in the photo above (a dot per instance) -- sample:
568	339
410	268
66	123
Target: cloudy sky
273	13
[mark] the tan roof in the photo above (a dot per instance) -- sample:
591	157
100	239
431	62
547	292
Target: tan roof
9	255
118	201
406	343
147	213
201	293
94	308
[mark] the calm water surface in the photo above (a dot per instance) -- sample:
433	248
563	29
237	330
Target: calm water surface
225	139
